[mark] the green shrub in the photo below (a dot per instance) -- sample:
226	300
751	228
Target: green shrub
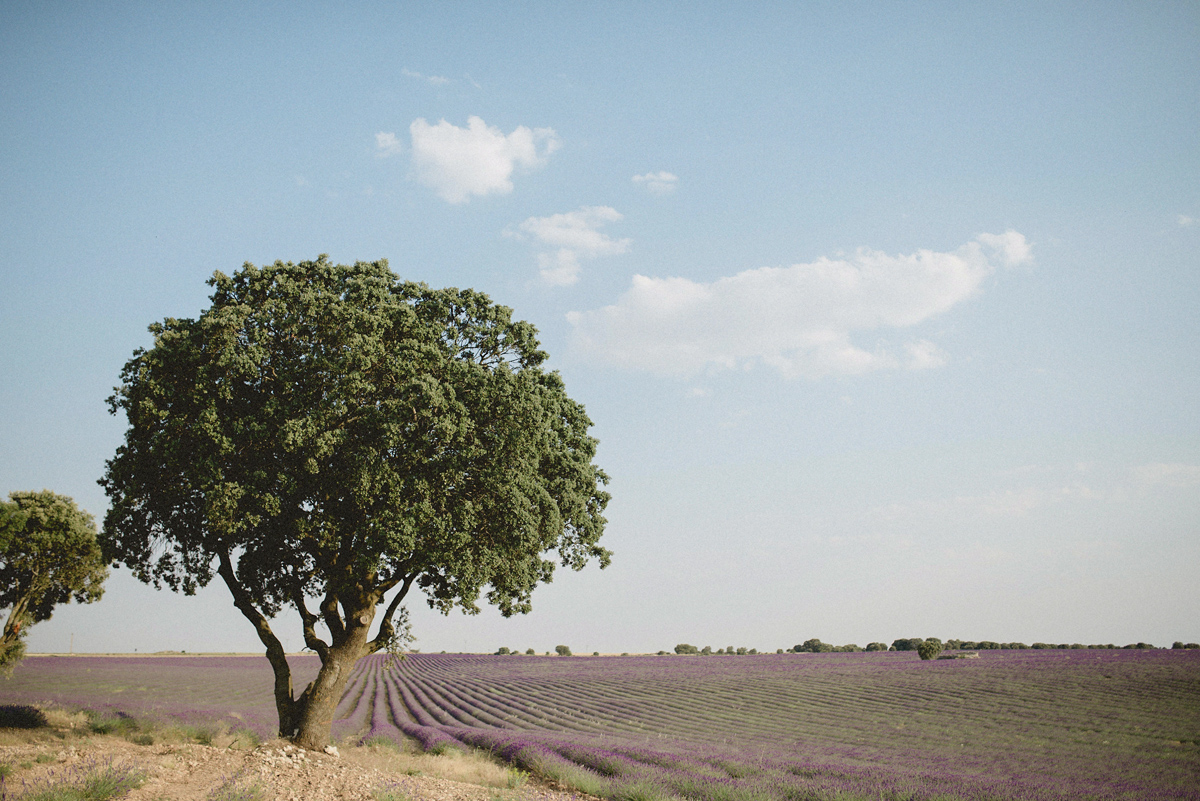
684	648
502	651
929	649
103	724
21	717
562	650
515	778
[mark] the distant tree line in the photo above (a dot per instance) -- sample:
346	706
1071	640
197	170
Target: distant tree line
926	647
931	645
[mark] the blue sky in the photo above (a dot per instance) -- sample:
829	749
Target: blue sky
885	314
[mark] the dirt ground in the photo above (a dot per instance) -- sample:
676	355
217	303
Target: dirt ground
233	770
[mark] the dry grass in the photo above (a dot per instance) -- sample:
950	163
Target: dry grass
469	767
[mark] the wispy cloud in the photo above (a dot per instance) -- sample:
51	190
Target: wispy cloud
658	183
386	144
573	236
800	320
436	80
477	160
1185	221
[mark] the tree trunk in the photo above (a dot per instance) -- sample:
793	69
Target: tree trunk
312	712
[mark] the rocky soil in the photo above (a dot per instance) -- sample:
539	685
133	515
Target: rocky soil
269	771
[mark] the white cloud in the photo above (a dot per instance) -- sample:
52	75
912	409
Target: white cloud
477	160
560	268
800	320
1010	246
386	144
574	235
436	80
658	183
1185	220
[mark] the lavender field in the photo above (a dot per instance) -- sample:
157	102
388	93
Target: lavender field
1012	725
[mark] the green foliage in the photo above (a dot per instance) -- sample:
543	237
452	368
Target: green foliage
330	432
684	648
909	644
706	650
876	646
930	648
813	646
48	556
562	650
515	778
502	651
105	724
22	717
530	652
339	424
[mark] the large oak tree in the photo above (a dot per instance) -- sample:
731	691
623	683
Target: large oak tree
329	437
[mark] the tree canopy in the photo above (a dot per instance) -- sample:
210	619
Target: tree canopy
48	556
324	435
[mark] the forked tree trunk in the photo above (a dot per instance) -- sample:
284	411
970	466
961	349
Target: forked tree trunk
311	715
307	720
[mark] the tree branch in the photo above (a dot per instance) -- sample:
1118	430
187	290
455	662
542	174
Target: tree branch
386	629
310	625
333	620
275	653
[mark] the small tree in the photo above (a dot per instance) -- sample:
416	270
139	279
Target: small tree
684	648
328	437
929	648
48	556
562	650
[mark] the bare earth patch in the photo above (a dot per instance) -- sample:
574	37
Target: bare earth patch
280	771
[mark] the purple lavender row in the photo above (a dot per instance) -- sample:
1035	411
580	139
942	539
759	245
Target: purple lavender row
495	712
354	717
